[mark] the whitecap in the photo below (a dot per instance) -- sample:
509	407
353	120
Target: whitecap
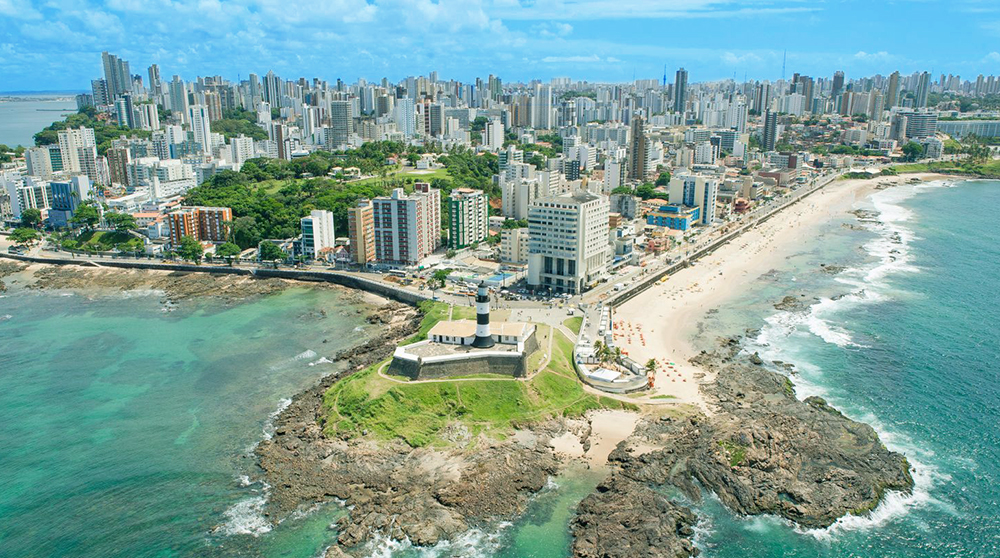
246	517
322	360
474	543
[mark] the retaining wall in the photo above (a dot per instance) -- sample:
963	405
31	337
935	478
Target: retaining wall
351	281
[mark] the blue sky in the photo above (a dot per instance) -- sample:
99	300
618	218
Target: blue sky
56	44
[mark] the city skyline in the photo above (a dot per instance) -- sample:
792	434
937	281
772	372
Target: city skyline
52	47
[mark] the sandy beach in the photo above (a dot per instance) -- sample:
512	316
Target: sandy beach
661	322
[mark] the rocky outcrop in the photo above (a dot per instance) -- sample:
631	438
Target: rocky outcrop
761	452
423	495
176	286
8	268
628	518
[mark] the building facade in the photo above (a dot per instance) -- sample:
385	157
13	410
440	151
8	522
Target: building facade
568	242
407	226
317	232
361	232
470	215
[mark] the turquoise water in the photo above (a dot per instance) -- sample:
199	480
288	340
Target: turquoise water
20	120
911	350
127	429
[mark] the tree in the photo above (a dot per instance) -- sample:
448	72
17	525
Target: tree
24	236
31	218
190	249
646	191
912	151
86	215
651	366
450	253
121	222
270	252
440	276
663	179
228	250
412	158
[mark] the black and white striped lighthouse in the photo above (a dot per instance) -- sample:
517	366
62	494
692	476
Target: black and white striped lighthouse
484	339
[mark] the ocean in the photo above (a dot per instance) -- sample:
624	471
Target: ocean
20	120
127	429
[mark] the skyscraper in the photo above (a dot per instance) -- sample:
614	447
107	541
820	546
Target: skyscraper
177	97
272	89
116	74
154	79
341	122
637	150
923	90
838	85
680	90
198	118
770	130
892	95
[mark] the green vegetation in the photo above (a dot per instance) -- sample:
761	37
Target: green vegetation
7	154
370	404
664	397
268	196
574	94
31	218
239	122
433	313
271	252
121	222
989	169
574	324
102	241
912	151
190	249
737	452
86	215
104	133
228	251
24	237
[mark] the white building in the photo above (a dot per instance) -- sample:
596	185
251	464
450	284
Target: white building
514	246
317	232
493	135
568	241
199	122
698	191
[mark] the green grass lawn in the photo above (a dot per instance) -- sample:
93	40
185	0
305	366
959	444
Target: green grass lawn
990	169
103	241
368	404
433	312
574	324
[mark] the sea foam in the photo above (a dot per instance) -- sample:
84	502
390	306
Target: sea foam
890	250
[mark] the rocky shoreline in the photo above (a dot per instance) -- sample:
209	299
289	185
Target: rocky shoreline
423	495
175	286
761	452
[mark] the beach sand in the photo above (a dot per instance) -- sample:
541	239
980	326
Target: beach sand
661	322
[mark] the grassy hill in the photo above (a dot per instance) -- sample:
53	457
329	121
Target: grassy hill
368	404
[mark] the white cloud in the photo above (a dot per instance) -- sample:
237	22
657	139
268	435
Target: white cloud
880	56
992	57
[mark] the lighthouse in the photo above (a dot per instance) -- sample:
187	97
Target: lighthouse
484	339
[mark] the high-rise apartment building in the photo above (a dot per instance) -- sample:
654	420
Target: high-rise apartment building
770	136
201	129
568	242
680	90
361	232
470	215
67	195
318	232
341	124
117	75
407	226
638	152
205	224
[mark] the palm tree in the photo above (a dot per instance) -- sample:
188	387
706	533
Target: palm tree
651	367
